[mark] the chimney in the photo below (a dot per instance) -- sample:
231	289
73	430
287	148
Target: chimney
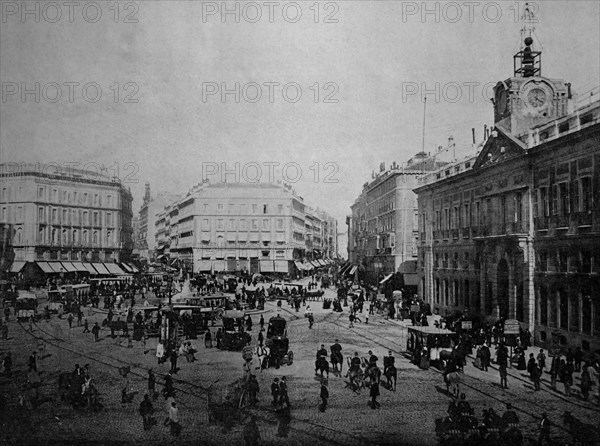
485	132
569	93
473	133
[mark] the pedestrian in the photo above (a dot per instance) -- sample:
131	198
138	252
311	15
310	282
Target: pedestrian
146	411
578	357
86	328
261	339
275	391
31	322
536	376
485	356
251	433
541	358
502	358
152	385
168	389
285	418
96	331
311	320
125	397
324	395
554	366
79	317
374	393
586	382
262	323
283	392
70	320
568	378
544	430
253	389
6	313
208	339
160	352
32	363
174	420
351	319
173	358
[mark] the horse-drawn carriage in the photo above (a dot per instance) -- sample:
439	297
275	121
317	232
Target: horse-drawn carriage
234	337
278	342
78	391
226	403
26	305
430	345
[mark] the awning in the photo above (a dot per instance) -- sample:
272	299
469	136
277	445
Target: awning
113	268
133	268
314	263
17	266
45	267
266	266
411	279
308	266
322	262
205	265
162	256
69	267
386	278
57	267
281	266
299	265
79	267
353	270
101	269
126	267
90	269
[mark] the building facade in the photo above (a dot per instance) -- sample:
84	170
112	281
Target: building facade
382	230
243	227
69	215
513	232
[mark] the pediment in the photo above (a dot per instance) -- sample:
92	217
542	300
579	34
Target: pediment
499	148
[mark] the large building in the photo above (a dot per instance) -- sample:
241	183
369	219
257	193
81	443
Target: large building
146	235
69	215
245	227
382	230
514	231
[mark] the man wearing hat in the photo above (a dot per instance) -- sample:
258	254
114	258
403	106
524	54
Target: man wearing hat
544	430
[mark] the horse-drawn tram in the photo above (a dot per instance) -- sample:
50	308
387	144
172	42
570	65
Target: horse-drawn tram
68	298
278	342
430	345
234	337
26	305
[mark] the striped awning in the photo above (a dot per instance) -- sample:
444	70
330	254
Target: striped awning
17	266
45	267
57	267
90	269
79	267
299	265
101	269
134	268
113	268
69	267
126	267
315	263
386	278
353	270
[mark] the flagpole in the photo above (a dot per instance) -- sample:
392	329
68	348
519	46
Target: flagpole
424	110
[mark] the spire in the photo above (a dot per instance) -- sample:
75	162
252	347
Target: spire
147	193
527	62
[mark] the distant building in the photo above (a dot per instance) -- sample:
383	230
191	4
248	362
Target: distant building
244	227
514	231
382	230
73	215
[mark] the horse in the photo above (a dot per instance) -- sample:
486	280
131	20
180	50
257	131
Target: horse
581	432
452	379
391	372
337	358
356	379
373	373
263	354
116	326
322	365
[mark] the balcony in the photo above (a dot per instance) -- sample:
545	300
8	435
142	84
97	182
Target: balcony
423	236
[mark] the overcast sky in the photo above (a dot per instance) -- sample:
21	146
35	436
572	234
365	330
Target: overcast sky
370	60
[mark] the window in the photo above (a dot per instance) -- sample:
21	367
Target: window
518	207
65	236
54	215
231	209
109	218
55	195
220	208
254	208
95	222
109	238
544	202
243	226
40	192
85	237
565	205
109	202
65	218
75	236
280	224
95	238
220	225
586	194
254	224
205	208
96	200
280	209
19	214
205	224
41	215
265	209
74	215
85	218
85	198
65	196
265	224
554	199
231	224
575	202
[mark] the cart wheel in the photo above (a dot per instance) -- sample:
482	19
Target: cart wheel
290	357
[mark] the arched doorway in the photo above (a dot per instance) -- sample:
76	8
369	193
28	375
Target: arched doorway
502	286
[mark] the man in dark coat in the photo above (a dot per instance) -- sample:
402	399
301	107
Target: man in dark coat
275	391
324	395
173	358
146	411
283	392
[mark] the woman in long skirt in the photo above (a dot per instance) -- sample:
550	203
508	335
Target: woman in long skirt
208	339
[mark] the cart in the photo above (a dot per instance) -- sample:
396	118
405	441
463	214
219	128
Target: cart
278	342
226	403
234	337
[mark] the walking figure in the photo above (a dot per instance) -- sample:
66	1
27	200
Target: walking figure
70	320
544	430
324	395
86	328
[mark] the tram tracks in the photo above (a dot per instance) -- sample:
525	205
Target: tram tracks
323	434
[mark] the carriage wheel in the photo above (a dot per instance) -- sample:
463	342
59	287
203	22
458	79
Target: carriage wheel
290	357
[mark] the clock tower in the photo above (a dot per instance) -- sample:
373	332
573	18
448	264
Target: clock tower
528	99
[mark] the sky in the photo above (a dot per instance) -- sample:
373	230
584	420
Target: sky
317	94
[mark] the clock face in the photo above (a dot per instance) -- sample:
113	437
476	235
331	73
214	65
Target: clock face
536	97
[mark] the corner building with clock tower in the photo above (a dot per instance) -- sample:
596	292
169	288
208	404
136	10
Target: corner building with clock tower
513	231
